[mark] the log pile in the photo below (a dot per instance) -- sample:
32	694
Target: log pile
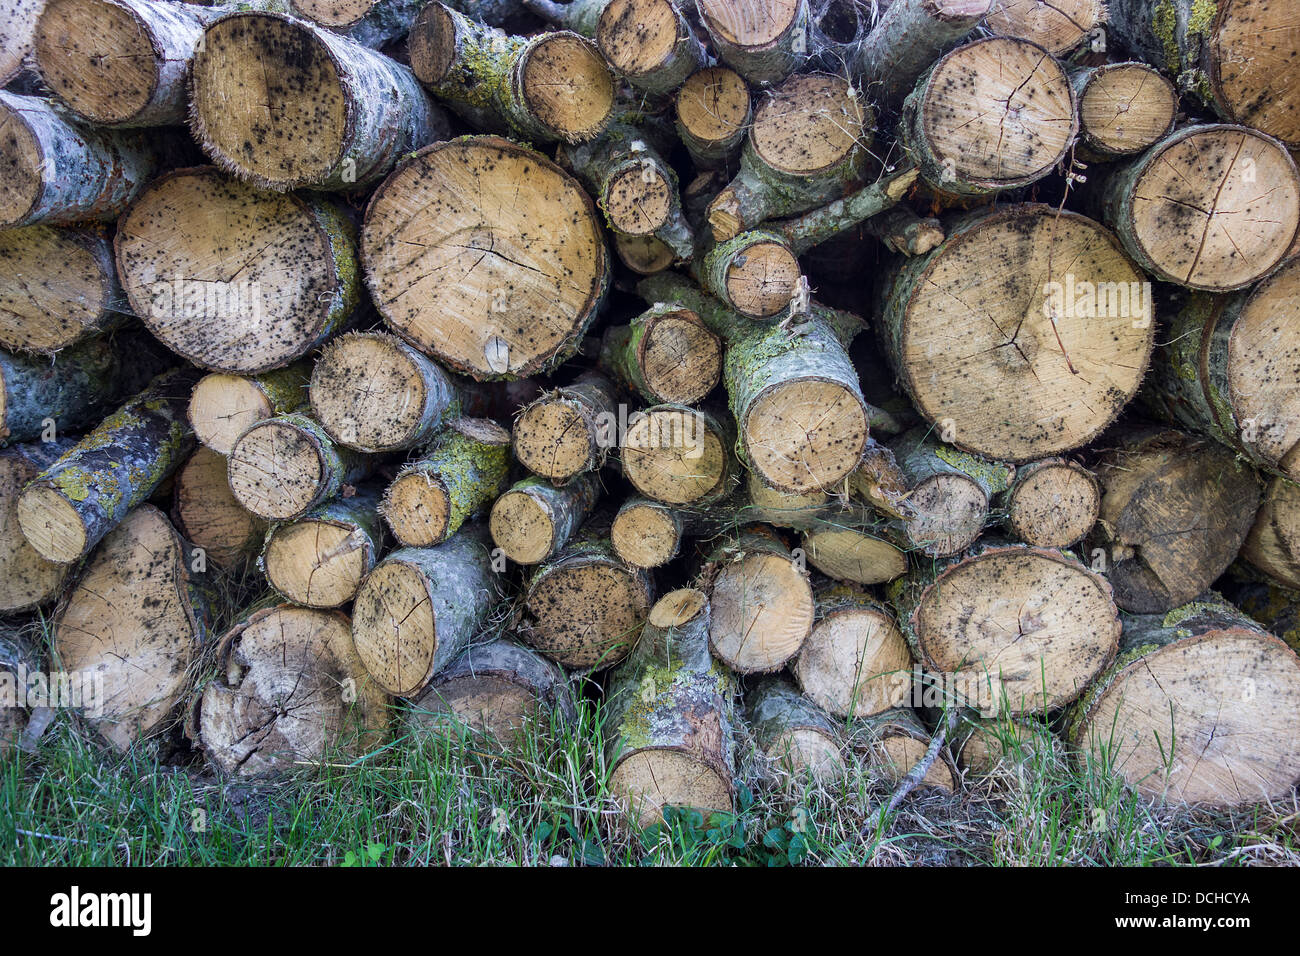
787	374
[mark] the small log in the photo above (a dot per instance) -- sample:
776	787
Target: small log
207	513
1226	370
372	23
320	559
669	716
1174	513
763	606
647	533
1060	26
1008	626
584	608
55	173
534	519
793	732
70	506
855	662
991	115
713	114
854	548
1202	706
1052	503
1124	108
344	114
549	87
120	62
904	232
283	467
680	455
27	579
783	510
1276	608
808	145
667	354
290	690
75	295
137	620
17	31
896	741
461	473
644	255
569	431
18	659
813	228
239	313
1171	206
880	482
755	274
650	43
517	306
497	689
1050	353
764	43
1273	543
909	36
420	608
224	406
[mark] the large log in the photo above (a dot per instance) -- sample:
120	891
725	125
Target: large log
332	114
235	278
69	507
420	608
290	691
207	513
1211	207
1202	706
667	354
56	173
42	397
1059	26
455	264
1174	513
1009	626
27	579
224	406
137	621
794	733
569	431
1054	323
553	86
320	559
534	519
669	715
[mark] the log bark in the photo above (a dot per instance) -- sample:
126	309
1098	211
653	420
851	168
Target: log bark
680	455
819	225
763	606
713	110
1029	382
224	406
71	505
517	306
549	87
667	354
1172	206
283	467
856	662
1052	503
650	43
1226	371
17	31
1174	513
669	716
59	174
569	431
120	63
896	741
497	689
372	23
57	287
27	579
783	510
644	255
793	732
1202	706
420	608
902	231
320	559
1124	108
807	146
855	548
18	659
344	114
1059	26
533	520
207	513
1009	628
991	115
1229	55
238	313
461	473
1273	543
584	608
290	690
764	43
796	445
880	482
1276	608
137	620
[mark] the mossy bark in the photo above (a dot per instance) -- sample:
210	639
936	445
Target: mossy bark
818	225
27	580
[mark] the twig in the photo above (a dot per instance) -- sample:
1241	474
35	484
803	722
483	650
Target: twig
917	773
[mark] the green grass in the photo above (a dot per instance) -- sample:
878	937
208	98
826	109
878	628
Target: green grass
458	799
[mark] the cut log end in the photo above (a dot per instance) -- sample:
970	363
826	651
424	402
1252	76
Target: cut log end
1255	42
638	200
21	165
276	470
762	278
52	524
804	751
646	535
1059	26
638	37
811	123
713	107
568	86
317	563
394	628
750	26
75	292
208	514
27	579
673	455
650	780
847	554
805	435
950	513
1053	504
644	255
586	612
681	360
333	13
223	407
523	527
855	663
762	612
1125	108
555	439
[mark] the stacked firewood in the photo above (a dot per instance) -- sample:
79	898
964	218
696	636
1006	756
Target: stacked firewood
820	375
